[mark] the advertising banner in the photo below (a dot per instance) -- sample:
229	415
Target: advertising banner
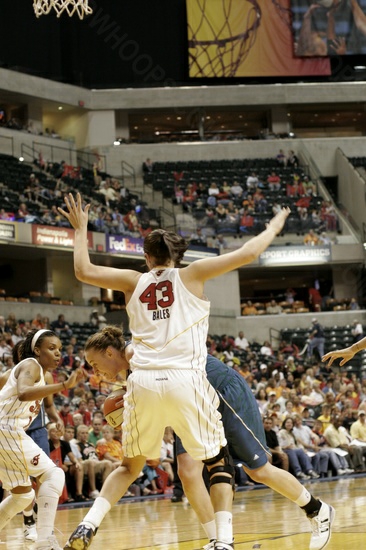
47	235
296	255
7	231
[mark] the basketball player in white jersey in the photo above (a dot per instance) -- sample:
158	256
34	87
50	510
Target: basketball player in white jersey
20	457
168	315
38	432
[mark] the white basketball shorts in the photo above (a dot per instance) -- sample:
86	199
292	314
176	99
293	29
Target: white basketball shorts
182	399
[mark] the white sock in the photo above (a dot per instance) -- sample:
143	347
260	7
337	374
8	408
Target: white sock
304	498
224	526
210	529
97	512
47	507
12	505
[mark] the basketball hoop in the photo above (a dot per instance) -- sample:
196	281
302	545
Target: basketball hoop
80	7
222	50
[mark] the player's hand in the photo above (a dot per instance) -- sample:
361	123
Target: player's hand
76	215
339	46
278	221
74	378
60	427
346	354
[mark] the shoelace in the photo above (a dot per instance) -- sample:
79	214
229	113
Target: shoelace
318	526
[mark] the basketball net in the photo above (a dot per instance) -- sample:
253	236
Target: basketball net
224	51
284	11
80	7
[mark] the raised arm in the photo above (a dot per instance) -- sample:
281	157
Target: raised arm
209	268
305	43
123	280
346	354
358	16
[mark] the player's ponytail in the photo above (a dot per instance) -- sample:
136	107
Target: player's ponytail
109	336
165	246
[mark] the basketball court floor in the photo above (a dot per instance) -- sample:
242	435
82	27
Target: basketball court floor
262	520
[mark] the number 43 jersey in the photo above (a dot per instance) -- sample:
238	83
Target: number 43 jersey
168	323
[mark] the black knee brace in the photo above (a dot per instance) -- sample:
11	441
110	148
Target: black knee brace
227	468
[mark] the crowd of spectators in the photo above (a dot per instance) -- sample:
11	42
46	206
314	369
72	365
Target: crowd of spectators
314	302
235	205
14	123
314	416
34	197
239	201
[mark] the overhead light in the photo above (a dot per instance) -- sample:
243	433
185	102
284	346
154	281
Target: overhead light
291	134
116	142
21	159
359	67
60	108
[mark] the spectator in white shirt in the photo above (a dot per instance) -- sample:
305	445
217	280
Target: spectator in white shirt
357	331
241	342
266	349
252	181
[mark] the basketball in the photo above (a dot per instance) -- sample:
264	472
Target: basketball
113	413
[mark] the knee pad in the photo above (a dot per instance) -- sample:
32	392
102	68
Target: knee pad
22	500
227	468
52	482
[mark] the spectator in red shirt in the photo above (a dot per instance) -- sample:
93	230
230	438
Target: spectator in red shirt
274	182
65	413
83	410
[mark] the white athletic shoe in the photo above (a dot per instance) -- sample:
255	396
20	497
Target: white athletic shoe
30	532
321	527
50	543
94	494
210	545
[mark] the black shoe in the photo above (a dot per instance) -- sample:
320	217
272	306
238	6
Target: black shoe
81	498
81	538
176	499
